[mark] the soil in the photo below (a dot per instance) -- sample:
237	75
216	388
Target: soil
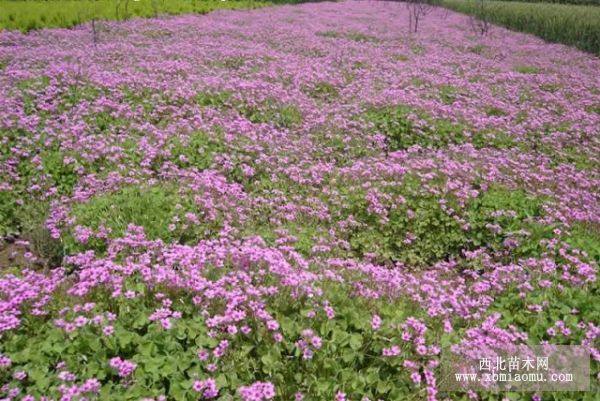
12	256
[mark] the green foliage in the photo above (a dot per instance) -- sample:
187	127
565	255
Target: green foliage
8	222
167	363
448	94
514	213
527	69
329	34
166	360
578	2
197	150
493	139
272	112
103	121
398	124
151	208
78	93
418	232
361	37
213	99
231	63
493	111
28	87
585	237
344	148
574	25
322	91
269	111
155	208
352	35
3	63
63	175
421	231
559	305
593	108
31	217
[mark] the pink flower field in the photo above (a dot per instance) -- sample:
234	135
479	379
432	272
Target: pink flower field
299	202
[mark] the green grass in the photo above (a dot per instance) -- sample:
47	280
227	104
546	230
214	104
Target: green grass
27	15
575	25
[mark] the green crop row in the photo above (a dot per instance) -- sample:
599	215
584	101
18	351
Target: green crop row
573	25
27	15
580	2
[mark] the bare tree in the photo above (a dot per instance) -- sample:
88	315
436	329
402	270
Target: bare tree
94	31
480	21
417	10
92	16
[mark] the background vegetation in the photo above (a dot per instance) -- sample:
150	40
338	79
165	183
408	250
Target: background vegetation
26	15
580	2
575	22
561	23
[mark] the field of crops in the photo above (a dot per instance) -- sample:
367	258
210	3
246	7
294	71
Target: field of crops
291	203
578	2
561	23
26	15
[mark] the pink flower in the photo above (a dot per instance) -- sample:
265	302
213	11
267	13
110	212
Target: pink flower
394	350
166	323
207	387
375	322
316	342
66	376
20	375
258	391
124	367
203	355
5	361
108	330
272	325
